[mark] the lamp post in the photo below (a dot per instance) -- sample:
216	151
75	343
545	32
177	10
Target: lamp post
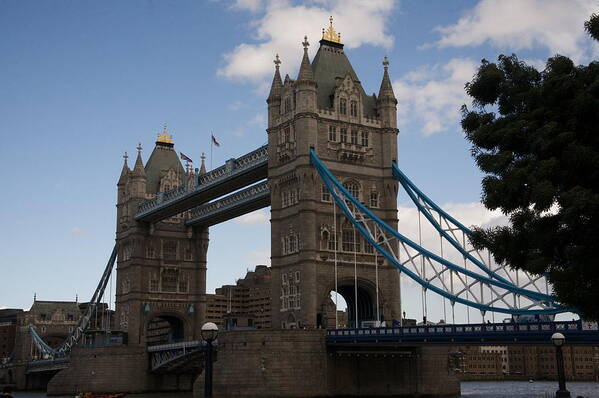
558	340
209	332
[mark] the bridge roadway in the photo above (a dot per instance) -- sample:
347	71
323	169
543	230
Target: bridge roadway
464	334
233	175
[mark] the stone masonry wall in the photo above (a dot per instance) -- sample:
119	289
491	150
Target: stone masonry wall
296	363
113	369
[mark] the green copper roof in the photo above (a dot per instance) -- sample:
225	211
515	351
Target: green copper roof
330	63
162	159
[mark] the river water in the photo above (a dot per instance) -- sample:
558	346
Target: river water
470	389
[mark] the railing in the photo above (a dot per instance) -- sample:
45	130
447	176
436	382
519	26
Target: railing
246	195
454	332
46	365
230	168
167	354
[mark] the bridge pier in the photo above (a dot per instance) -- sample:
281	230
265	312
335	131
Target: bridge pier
112	370
297	363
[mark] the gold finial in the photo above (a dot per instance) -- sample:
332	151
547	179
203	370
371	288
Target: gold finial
164	138
139	147
277	61
330	33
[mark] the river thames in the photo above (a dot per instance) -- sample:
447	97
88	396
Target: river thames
503	389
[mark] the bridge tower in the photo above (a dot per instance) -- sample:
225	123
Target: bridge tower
161	267
326	108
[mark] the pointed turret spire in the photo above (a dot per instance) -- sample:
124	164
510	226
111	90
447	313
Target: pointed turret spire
125	171
203	166
305	72
277	83
139	165
386	90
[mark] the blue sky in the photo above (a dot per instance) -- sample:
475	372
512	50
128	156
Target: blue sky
82	82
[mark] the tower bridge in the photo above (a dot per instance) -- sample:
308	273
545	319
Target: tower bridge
329	174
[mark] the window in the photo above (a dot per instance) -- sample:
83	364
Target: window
297	277
343	134
353	108
289	197
333	242
364	138
154	286
169	250
287	105
150	252
326	195
343	106
354	137
374	199
188	253
353	188
287	134
169	279
349	243
332	133
183	285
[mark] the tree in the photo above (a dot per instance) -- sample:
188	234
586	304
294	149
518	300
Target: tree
535	135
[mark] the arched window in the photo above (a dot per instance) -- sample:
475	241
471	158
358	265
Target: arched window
353	187
343	106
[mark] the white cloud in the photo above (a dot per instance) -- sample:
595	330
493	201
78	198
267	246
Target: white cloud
281	26
432	95
77	231
258	256
524	24
250	5
258	217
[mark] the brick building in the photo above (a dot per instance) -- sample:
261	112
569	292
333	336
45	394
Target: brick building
8	332
243	305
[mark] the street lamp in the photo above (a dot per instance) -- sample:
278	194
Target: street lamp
208	332
558	340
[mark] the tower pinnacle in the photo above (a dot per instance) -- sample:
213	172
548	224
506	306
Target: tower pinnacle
305	72
329	34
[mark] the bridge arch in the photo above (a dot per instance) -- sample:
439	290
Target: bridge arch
166	328
364	296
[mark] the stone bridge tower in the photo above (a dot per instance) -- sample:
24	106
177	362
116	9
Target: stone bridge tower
161	268
326	108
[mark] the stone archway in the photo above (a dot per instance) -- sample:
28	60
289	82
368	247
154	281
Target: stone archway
365	298
165	329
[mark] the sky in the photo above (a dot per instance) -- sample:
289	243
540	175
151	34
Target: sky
82	82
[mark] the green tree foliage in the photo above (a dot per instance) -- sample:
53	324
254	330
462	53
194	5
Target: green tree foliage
535	135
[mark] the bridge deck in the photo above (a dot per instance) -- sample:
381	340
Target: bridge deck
234	175
479	334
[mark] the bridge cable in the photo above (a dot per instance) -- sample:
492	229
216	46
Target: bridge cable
466	277
444	299
423	270
355	278
335	248
376	277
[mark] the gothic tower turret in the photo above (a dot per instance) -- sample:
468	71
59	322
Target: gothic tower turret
161	267
327	109
274	97
387	103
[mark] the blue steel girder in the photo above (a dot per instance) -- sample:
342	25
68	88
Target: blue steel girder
177	358
500	296
233	175
450	229
242	202
472	334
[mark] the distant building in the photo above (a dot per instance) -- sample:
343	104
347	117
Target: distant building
8	332
243	305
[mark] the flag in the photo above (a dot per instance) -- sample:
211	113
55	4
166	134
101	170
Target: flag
187	159
214	141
